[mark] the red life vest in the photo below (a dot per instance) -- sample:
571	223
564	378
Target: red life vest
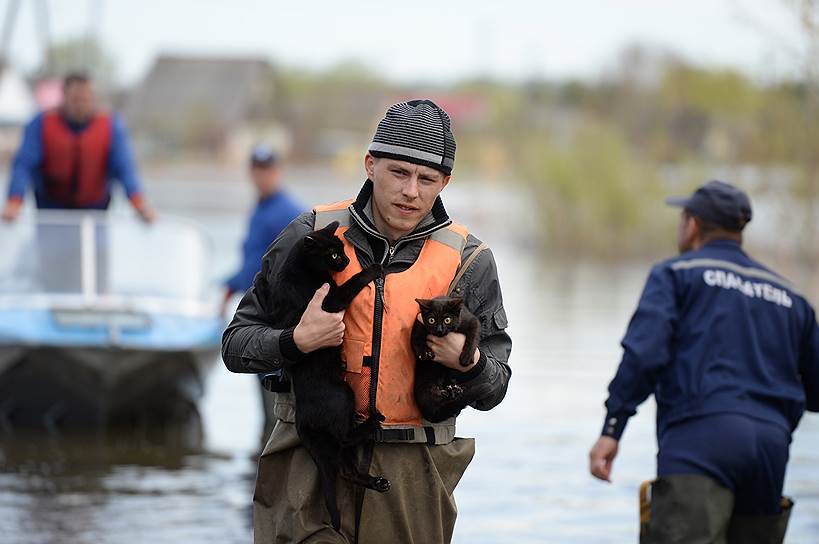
75	165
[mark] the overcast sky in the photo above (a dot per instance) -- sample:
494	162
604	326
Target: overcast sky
425	40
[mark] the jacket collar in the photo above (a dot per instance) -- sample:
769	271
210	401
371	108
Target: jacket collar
723	243
362	214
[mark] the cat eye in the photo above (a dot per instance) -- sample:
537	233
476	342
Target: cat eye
335	256
431	320
447	320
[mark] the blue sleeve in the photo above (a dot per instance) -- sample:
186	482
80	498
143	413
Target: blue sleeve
258	241
809	363
646	350
253	249
28	158
243	278
121	163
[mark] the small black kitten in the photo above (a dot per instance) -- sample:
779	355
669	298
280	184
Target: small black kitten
325	405
437	392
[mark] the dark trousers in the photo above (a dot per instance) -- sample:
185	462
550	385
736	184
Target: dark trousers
743	454
720	480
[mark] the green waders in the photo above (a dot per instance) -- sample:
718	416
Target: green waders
691	509
418	509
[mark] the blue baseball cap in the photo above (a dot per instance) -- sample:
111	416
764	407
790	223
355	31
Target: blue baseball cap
263	155
719	203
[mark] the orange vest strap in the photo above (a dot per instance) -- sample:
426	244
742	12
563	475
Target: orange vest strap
333	212
453	236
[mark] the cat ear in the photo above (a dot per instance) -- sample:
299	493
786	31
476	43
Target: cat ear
331	227
455	303
309	241
423	303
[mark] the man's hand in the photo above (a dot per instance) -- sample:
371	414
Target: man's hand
11	210
225	300
319	329
447	350
602	456
146	213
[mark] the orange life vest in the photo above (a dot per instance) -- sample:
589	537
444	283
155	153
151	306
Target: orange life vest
75	165
390	358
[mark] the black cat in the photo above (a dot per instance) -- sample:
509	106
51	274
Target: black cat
325	405
437	392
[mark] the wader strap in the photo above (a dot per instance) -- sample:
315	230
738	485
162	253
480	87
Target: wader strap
405	435
465	266
363	468
432	434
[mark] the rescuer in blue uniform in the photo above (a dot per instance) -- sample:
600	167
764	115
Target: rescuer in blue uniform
274	210
731	352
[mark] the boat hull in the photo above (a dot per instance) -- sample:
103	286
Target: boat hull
61	388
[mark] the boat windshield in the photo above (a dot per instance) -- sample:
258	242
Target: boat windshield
96	254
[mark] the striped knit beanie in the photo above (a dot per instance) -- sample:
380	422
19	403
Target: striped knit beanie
417	131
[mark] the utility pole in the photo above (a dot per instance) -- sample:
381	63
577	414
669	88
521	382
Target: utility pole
8	29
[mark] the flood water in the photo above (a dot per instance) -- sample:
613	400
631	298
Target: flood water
528	483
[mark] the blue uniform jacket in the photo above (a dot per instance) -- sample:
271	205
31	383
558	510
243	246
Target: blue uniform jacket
25	170
717	332
271	216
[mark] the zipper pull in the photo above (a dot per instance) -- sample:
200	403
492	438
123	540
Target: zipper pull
379	290
392	250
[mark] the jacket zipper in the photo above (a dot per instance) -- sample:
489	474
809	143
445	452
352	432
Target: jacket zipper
378	316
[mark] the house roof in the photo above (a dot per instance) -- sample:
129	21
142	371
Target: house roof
230	89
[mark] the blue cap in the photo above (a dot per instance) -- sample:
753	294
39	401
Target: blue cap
719	203
263	155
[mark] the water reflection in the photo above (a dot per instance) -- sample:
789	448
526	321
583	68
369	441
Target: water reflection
124	486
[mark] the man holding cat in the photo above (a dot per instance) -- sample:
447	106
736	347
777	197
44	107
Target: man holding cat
399	221
731	352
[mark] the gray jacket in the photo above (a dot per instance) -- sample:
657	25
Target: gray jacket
252	343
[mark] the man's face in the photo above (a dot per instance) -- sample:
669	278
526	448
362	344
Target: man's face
403	194
265	178
687	232
79	102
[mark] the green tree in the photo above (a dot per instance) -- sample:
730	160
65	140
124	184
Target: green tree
80	53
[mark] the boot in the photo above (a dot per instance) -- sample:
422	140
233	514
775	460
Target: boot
687	509
761	529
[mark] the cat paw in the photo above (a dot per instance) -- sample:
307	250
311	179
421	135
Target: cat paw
466	361
382	485
451	392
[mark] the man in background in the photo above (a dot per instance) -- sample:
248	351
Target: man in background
274	210
69	156
731	352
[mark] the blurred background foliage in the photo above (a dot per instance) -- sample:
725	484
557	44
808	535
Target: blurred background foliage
597	154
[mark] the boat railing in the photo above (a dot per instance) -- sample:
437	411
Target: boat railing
106	261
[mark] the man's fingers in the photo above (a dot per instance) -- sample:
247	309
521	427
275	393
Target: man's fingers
434	340
600	469
320	293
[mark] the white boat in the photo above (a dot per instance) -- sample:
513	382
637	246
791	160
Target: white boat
104	321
